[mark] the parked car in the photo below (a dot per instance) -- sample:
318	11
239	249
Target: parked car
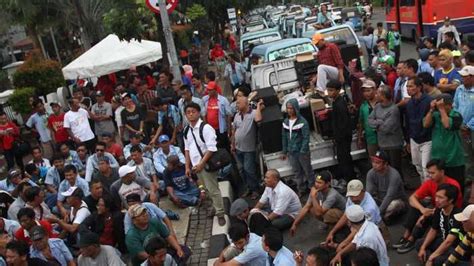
286	48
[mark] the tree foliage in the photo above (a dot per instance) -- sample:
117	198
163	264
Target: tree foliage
19	100
43	75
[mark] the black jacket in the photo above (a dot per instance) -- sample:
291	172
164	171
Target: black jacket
96	223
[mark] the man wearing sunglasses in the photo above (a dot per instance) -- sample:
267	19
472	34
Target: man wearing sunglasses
93	160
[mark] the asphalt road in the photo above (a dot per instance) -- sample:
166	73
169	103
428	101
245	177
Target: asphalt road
309	235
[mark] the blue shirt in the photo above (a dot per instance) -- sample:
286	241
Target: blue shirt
58	249
284	257
369	235
9	186
74	159
323	19
93	164
177	179
159	158
236	74
126	151
80	183
464	104
172	113
40	122
415	112
224	111
424	66
52	177
253	254
153	211
370	208
450	77
144	170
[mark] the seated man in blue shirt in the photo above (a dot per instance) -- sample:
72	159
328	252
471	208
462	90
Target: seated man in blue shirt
181	189
247	245
165	150
136	139
272	243
71	179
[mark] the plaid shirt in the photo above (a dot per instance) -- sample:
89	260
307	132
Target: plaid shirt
146	99
330	55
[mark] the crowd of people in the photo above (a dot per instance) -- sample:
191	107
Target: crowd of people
138	136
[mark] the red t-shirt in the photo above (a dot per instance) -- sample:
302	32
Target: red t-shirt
213	112
429	187
6	141
391	79
20	233
107	236
57	123
115	149
232	43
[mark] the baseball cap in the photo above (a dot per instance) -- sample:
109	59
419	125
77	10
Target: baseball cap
126	94
447	98
238	207
136	210
99	94
88	238
424	54
456	53
13	173
37	233
134	197
466	71
381	155
368	83
465	214
72	191
354	187
126	169
387	59
325	176
212	85
355	213
54	103
317	37
163	138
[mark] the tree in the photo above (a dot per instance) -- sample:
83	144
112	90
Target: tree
198	15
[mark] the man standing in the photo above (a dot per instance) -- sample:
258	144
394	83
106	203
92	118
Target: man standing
447	27
186	98
447	78
244	143
235	71
324	202
56	125
76	122
218	114
38	123
386	186
420	137
279	203
295	142
445	123
169	120
369	135
464	104
101	113
342	130
330	62
198	152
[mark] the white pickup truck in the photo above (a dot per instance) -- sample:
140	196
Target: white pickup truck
282	76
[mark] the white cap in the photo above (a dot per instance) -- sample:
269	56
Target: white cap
126	169
69	192
465	214
354	187
355	213
467	71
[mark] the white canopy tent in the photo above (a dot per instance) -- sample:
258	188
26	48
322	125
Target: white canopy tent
111	55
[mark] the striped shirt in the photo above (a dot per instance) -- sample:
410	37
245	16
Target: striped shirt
462	250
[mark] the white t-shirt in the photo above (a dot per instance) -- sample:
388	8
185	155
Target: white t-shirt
291	124
81	214
79	124
107	256
133	188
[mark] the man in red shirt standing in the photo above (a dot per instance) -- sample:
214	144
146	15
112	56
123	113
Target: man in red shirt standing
56	125
419	214
330	62
390	74
9	132
218	115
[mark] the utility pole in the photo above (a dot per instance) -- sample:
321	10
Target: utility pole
171	52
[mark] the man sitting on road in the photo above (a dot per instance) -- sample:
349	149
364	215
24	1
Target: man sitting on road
247	246
445	231
284	204
324	202
272	242
417	210
164	151
459	255
330	62
386	186
240	211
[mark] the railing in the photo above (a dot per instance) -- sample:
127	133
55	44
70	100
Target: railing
12	115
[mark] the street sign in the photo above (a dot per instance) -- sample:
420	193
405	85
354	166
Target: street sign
232	16
153	5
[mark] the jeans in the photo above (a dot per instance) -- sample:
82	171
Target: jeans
189	196
301	165
325	73
247	160
420	156
209	179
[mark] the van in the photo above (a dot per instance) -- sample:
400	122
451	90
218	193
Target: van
258	38
286	48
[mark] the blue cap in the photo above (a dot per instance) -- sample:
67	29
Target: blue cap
163	138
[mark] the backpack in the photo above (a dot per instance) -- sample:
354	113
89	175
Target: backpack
201	130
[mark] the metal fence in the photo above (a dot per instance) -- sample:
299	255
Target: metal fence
12	115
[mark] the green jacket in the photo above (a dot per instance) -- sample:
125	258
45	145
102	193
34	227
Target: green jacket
299	140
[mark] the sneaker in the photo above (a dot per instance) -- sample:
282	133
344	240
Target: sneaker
400	243
221	220
409	245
